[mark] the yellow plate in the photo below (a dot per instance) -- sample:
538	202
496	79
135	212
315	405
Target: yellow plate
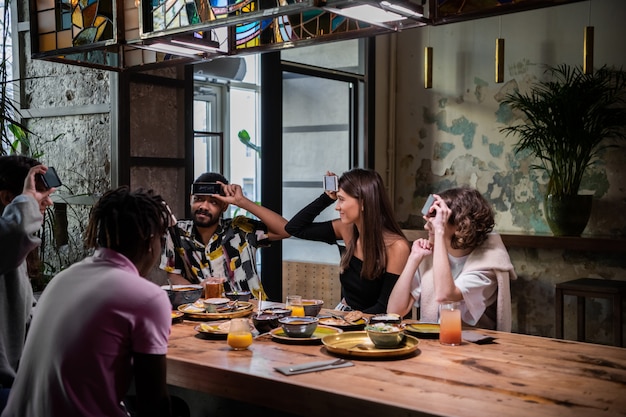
422	329
176	315
192	310
321	331
357	344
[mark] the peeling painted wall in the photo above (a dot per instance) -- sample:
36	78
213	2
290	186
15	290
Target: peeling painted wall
449	136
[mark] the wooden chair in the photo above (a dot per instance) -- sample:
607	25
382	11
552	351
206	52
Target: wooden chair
584	288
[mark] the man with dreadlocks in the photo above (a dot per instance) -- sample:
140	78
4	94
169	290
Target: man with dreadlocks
210	246
99	324
23	202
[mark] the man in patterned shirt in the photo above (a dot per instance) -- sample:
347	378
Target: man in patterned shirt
211	246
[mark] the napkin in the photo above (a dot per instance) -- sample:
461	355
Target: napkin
475	337
312	367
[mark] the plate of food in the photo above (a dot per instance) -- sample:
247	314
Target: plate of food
424	330
358	344
177	316
342	323
214	330
233	309
279	335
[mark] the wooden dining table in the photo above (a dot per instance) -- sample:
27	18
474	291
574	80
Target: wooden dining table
513	375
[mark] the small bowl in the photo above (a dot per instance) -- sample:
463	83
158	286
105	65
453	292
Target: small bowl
212	304
265	322
280	312
299	327
238	295
312	307
183	294
385	336
387	318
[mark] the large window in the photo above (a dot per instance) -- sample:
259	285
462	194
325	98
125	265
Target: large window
226	125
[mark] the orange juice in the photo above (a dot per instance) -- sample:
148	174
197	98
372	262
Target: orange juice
450	327
296	311
239	340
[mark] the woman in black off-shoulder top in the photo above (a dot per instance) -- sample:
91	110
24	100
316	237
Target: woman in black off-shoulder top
376	250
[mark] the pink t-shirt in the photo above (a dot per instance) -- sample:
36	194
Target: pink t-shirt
89	321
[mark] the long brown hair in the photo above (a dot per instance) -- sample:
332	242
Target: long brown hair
367	187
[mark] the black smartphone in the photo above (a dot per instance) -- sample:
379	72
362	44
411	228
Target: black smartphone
51	179
206	188
331	183
429	202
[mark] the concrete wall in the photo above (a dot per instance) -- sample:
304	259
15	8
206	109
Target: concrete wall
449	135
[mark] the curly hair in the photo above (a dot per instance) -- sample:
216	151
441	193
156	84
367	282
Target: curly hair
471	214
366	185
126	221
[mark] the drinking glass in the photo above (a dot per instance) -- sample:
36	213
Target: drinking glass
294	303
450	323
214	287
239	334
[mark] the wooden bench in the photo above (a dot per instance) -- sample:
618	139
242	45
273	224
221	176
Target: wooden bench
312	281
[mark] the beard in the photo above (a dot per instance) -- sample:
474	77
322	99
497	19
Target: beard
210	221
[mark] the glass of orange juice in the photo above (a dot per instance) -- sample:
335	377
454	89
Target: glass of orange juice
294	303
450	323
239	334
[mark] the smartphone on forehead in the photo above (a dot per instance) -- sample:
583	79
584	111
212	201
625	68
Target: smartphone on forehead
429	202
206	188
331	183
51	179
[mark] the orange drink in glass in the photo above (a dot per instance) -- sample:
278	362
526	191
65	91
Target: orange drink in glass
239	335
450	323
294	303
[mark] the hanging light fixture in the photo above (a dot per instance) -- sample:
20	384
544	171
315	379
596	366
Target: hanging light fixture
588	45
428	63
500	54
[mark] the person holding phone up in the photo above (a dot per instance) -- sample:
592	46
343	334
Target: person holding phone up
462	260
376	249
210	246
23	202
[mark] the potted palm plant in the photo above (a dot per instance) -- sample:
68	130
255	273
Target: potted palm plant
566	121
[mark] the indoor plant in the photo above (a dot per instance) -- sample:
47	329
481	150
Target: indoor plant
566	120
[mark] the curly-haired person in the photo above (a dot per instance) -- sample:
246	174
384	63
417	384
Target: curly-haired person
462	260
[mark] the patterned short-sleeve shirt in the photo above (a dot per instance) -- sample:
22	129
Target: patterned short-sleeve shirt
230	253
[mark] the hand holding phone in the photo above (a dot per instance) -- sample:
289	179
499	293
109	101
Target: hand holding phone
206	188
50	179
429	202
331	183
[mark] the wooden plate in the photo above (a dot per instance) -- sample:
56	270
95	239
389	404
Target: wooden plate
357	344
192	310
279	335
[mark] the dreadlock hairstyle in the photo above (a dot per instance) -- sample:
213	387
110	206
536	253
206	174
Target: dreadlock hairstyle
472	215
127	221
13	171
367	187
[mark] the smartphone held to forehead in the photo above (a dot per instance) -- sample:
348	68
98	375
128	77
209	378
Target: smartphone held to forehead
429	202
51	179
331	183
205	188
